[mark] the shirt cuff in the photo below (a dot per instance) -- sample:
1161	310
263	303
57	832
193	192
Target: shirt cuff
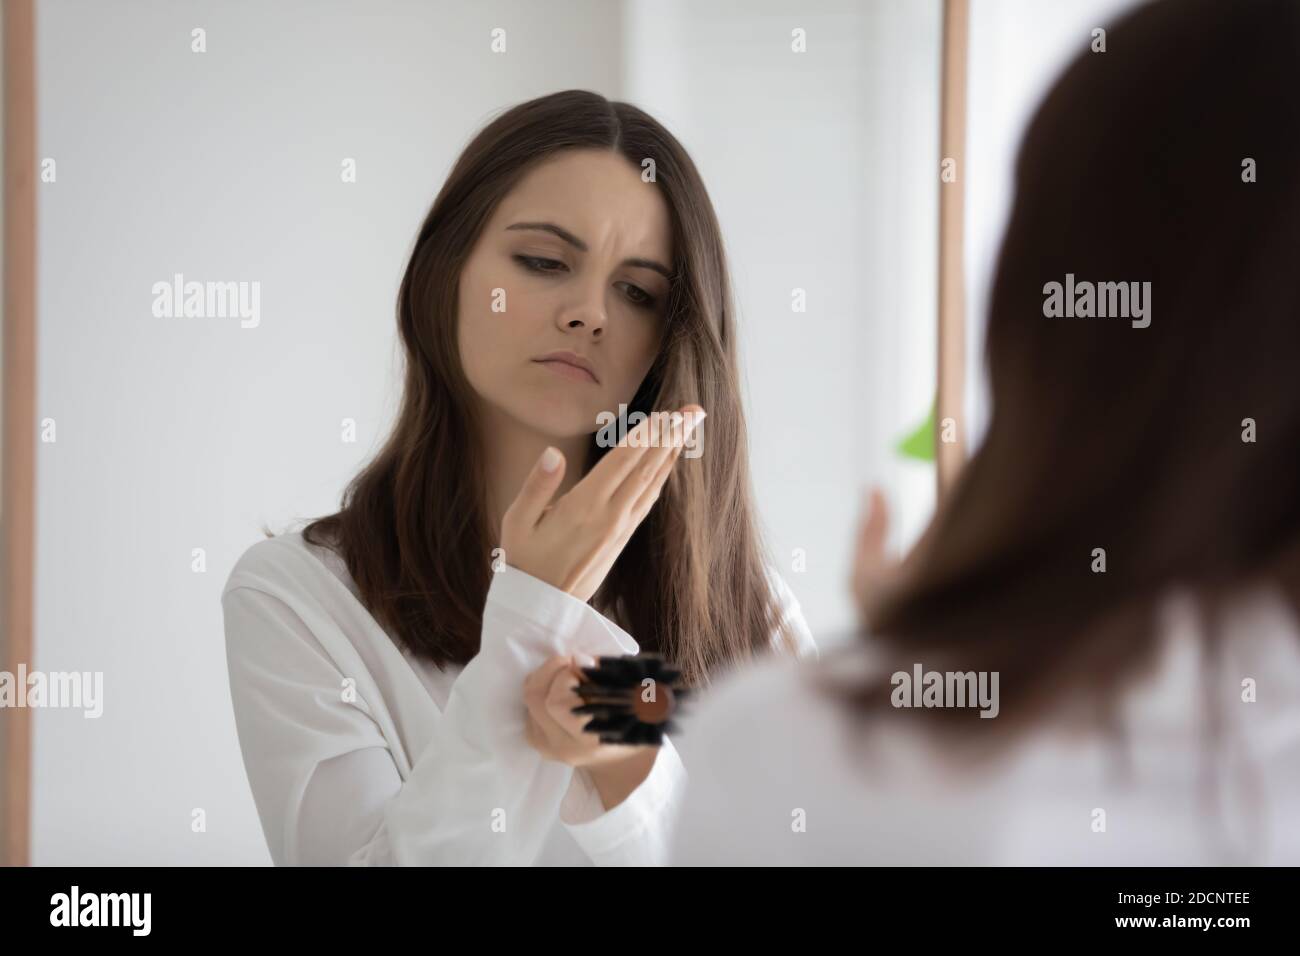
636	832
534	600
553	621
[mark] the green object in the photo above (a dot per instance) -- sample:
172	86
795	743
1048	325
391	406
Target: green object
919	444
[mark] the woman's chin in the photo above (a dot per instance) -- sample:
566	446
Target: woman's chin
562	427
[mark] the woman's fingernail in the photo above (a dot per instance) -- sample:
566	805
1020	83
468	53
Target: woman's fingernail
551	459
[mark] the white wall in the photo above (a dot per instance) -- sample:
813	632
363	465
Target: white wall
175	434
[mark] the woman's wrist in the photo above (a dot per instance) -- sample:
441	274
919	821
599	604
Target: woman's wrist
615	780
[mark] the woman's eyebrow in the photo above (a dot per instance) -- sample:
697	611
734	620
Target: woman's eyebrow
581	246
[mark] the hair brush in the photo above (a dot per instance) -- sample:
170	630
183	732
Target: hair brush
632	699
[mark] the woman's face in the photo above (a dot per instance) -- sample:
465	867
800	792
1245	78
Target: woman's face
571	266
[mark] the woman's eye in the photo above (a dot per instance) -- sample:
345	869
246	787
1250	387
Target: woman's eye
638	296
537	264
635	294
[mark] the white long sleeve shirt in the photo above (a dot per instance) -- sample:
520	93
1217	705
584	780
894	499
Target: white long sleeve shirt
779	776
357	752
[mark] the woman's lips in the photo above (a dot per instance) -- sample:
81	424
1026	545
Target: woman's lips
568	370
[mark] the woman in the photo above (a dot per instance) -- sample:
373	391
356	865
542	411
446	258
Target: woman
402	671
1109	595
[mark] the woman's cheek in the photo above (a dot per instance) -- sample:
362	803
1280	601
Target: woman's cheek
484	343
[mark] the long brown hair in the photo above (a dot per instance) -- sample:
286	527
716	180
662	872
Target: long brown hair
1137	166
691	582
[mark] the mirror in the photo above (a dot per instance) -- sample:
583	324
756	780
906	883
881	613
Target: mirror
291	152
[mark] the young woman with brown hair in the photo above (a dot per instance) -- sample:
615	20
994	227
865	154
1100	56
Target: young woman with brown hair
402	671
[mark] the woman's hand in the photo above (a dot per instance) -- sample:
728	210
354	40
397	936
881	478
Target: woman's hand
573	543
873	571
553	729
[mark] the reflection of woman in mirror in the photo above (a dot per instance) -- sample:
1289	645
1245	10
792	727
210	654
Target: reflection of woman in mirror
402	671
1123	551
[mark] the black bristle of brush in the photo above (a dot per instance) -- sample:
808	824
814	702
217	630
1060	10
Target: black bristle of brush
606	692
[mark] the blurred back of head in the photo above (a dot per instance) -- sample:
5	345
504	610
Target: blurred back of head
1144	351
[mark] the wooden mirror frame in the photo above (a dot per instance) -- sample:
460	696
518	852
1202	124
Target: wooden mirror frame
951	402
18	473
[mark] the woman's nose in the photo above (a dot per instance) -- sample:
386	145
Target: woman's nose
587	316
